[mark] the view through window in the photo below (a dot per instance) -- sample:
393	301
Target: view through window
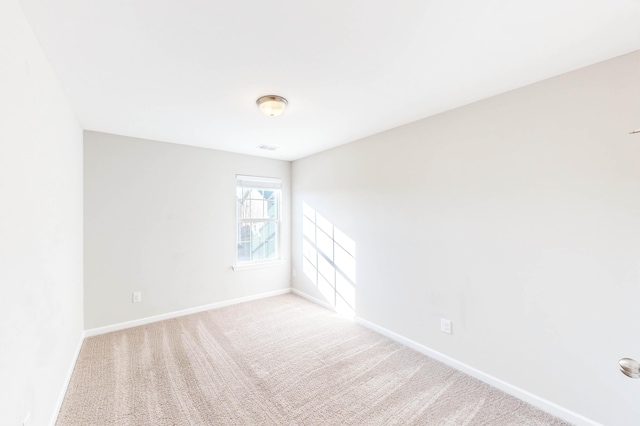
258	218
329	260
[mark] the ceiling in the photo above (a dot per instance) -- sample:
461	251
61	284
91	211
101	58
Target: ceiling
190	71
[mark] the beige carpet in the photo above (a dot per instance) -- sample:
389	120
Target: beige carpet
275	361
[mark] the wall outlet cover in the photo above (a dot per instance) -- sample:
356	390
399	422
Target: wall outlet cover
445	325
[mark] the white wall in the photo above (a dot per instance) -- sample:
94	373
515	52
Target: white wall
518	218
40	228
160	219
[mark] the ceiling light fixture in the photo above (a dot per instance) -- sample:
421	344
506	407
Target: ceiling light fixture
272	105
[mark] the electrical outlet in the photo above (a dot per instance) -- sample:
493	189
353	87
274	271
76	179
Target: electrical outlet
26	421
137	297
294	273
445	325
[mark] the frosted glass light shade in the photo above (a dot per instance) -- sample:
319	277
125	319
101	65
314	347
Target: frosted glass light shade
272	105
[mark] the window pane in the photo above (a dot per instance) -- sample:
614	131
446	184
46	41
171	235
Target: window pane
270	247
243	252
257	242
246	209
257	250
261	240
257	209
272	207
239	209
244	232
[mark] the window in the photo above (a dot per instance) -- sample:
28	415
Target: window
258	218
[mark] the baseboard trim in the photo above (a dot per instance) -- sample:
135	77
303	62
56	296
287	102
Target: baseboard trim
522	394
510	389
67	380
148	320
313	299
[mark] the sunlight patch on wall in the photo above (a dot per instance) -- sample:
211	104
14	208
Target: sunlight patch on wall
329	260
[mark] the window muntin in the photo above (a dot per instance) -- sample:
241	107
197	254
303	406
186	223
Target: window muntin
258	214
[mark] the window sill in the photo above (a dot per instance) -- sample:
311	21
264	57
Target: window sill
256	265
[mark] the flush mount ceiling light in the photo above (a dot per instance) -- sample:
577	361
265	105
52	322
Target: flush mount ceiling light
630	367
272	105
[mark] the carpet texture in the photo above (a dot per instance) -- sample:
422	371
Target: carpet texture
275	361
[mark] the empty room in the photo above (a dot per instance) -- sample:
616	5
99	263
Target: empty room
319	213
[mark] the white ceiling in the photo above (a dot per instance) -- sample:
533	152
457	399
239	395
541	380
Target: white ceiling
190	71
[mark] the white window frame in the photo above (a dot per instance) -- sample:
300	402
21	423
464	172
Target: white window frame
258	182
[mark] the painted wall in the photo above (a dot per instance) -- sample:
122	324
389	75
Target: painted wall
40	228
517	218
160	219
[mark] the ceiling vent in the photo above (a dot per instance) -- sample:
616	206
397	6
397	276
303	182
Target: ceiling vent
268	147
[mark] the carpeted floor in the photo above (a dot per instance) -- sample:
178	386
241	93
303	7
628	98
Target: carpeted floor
275	361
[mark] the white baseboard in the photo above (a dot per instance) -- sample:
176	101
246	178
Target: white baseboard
313	299
522	394
67	380
528	397
148	320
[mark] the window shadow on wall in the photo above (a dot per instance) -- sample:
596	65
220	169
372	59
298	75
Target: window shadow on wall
329	260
